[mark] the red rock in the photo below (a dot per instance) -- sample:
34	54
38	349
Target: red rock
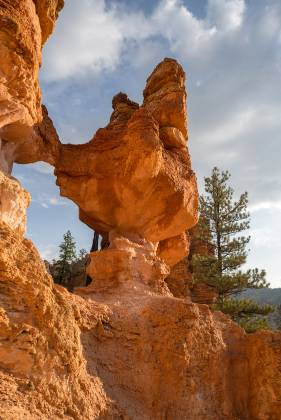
180	279
124	352
165	95
203	293
14	201
124	347
128	263
173	250
172	137
125	179
22	120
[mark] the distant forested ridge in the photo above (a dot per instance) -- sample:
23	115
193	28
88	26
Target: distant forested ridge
263	296
266	296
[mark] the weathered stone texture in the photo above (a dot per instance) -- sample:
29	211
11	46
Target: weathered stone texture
180	280
22	120
125	178
125	352
123	347
14	201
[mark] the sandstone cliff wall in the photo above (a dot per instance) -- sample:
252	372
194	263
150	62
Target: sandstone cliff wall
26	133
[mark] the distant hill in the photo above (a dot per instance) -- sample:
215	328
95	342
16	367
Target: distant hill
266	296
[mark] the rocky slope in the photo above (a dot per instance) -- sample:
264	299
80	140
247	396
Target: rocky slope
127	352
124	347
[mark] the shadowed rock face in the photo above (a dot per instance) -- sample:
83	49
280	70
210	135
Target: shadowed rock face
135	174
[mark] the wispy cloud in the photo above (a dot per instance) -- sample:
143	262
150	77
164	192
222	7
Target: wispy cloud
92	36
48	252
47	201
42	168
226	15
265	205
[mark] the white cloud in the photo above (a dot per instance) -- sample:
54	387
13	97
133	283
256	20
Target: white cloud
265	205
266	242
90	37
229	129
226	14
42	168
48	252
263	237
269	25
238	123
184	32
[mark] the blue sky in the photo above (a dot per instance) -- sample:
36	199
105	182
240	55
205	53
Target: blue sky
231	52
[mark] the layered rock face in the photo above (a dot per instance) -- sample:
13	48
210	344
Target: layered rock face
26	133
123	347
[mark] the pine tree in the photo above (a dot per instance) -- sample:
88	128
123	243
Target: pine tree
223	221
66	257
82	254
248	313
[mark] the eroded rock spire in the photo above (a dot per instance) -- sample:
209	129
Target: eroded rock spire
134	177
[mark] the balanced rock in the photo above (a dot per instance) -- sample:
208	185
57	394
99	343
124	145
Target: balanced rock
135	175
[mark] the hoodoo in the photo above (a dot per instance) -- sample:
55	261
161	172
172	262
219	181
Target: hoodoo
123	347
133	180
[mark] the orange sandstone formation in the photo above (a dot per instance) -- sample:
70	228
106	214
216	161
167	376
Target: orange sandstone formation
26	133
123	353
14	201
134	178
135	175
180	280
123	347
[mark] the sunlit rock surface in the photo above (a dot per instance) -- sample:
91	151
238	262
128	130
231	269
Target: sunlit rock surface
123	347
26	133
14	201
123	352
129	177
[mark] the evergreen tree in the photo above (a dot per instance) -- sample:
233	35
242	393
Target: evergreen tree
66	257
223	221
248	313
82	254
